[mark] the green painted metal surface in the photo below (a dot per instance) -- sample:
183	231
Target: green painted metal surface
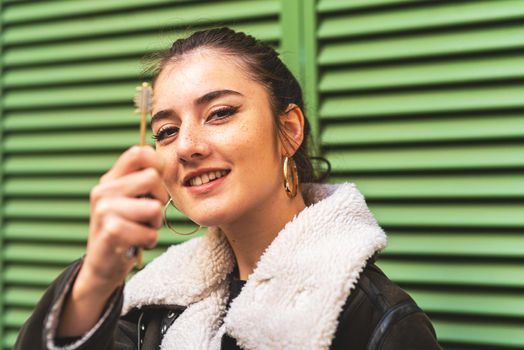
2	306
419	103
69	74
292	55
105	47
310	79
125	22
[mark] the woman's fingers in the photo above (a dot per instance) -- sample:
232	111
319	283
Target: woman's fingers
106	256
135	158
145	181
142	211
119	234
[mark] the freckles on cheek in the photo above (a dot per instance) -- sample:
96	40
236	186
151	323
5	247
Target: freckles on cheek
255	147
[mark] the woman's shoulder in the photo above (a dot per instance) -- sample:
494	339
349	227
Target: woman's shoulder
379	290
379	314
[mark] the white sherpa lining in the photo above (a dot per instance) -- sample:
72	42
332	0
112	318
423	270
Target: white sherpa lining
294	296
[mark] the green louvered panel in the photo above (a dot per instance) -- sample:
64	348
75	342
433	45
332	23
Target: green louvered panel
69	74
2	289
421	104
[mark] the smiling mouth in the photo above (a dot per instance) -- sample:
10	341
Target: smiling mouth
206	177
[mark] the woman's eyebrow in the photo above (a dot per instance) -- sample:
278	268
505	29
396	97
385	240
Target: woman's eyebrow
163	114
210	96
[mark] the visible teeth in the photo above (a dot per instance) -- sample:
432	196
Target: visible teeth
205	178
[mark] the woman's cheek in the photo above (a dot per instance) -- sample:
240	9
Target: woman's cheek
170	170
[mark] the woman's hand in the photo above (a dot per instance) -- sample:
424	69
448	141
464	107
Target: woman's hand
119	220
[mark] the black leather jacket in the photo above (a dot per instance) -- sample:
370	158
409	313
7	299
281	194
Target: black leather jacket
377	315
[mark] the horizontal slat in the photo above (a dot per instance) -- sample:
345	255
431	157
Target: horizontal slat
97	140
147	19
55	209
418	102
73	73
71	96
447	42
53	186
337	5
493	274
41	253
470	302
496	333
483	185
40	276
454	71
433	15
427	158
456	244
110	47
77	232
492	127
9	338
22	296
15	317
59	164
476	214
57	231
71	118
24	12
89	49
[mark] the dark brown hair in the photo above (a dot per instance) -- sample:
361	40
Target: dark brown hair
262	65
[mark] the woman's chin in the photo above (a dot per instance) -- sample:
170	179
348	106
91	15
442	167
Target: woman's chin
209	219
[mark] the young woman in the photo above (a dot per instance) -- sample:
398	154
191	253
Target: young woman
287	262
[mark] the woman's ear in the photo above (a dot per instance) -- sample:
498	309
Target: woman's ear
292	129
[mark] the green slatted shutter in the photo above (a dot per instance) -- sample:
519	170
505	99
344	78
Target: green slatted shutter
1	182
69	75
420	103
422	106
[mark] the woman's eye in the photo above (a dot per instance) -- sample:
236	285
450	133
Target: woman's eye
165	133
223	113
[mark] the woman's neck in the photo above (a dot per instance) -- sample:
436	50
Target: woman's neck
250	236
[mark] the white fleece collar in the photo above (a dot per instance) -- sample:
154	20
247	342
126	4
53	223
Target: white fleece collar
294	296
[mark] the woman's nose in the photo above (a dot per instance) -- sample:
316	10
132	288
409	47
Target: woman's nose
191	144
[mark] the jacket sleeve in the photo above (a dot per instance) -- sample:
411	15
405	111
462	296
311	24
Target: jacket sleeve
412	332
109	333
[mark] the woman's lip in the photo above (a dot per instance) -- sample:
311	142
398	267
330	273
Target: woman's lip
207	187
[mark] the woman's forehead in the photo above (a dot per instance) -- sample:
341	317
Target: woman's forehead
205	64
197	73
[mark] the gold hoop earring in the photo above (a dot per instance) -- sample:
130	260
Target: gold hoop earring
171	228
290	177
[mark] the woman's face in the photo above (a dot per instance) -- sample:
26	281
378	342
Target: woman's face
215	136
